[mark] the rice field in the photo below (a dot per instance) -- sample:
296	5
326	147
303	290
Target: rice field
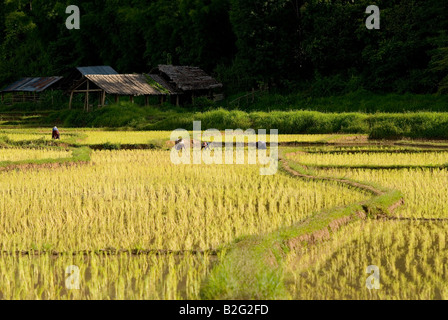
411	257
18	154
372	159
144	137
155	205
98	137
425	190
140	200
136	226
103	277
21	135
124	137
27	137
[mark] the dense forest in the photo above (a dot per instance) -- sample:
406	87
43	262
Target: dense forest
285	44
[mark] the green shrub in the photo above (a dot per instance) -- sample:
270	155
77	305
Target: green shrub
351	123
203	102
111	146
386	130
223	119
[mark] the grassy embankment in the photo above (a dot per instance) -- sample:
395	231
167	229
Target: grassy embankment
388	116
79	154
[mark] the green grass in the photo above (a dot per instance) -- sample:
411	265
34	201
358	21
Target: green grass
429	125
382	116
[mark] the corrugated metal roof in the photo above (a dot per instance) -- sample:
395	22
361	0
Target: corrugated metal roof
189	78
104	70
124	84
32	84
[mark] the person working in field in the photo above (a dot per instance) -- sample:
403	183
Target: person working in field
180	145
56	135
205	145
261	145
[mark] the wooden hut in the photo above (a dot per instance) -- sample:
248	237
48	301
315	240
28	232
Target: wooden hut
73	77
165	87
28	89
131	85
75	82
103	80
188	82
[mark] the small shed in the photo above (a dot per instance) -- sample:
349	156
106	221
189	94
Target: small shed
189	81
75	81
29	89
74	76
132	85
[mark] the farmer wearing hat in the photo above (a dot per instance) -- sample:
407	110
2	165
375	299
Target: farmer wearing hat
56	135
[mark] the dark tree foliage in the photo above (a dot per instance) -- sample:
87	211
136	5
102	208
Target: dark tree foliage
268	39
318	44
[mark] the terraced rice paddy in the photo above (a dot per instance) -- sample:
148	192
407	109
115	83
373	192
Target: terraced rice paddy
411	257
136	226
96	137
372	159
139	199
425	190
18	154
409	250
123	277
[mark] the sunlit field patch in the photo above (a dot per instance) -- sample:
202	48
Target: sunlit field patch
373	159
139	199
97	137
425	190
18	154
142	137
411	257
102	277
124	137
20	135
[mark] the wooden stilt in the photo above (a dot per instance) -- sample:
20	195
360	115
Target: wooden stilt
103	103
87	96
71	100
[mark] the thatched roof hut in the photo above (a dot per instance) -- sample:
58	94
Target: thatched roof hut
188	78
189	81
